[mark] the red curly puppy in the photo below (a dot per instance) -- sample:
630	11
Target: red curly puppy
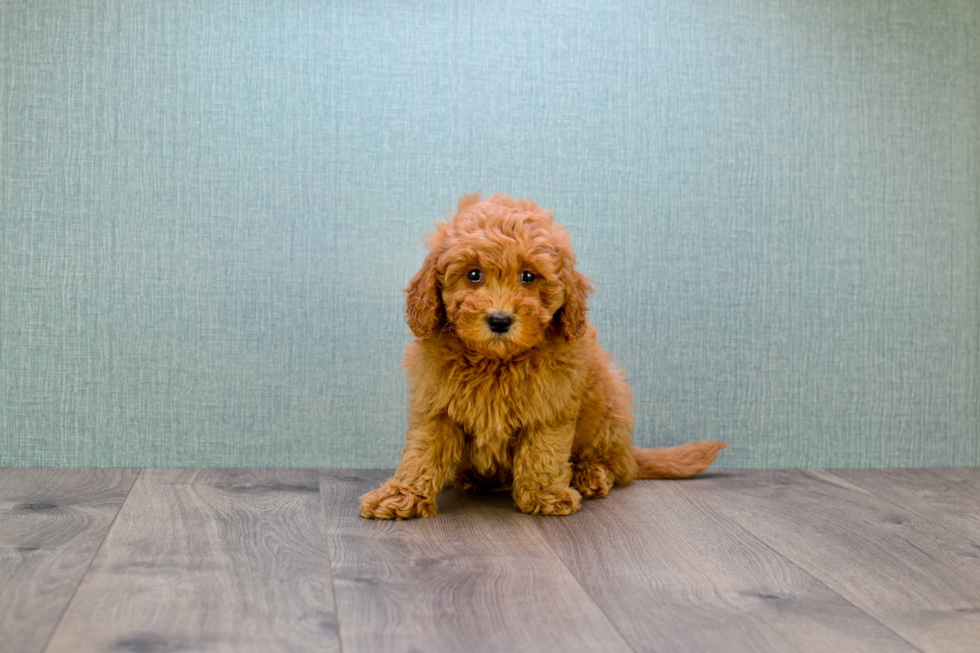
509	386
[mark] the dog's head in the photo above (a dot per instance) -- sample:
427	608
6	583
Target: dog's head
501	275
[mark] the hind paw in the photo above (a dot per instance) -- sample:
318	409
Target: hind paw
592	480
555	500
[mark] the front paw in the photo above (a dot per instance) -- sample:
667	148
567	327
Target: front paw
395	500
555	500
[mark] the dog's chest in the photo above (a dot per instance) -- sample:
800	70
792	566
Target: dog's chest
493	404
491	411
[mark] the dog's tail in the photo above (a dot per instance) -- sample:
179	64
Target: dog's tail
676	462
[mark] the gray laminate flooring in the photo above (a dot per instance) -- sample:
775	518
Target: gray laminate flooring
161	561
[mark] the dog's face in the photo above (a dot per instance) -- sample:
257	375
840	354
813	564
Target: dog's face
501	275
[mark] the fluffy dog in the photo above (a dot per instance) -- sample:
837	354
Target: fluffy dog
509	387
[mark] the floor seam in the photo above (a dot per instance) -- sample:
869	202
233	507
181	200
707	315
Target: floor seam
585	591
803	569
88	567
902	505
326	540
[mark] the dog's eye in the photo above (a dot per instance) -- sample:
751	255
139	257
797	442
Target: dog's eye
474	275
527	277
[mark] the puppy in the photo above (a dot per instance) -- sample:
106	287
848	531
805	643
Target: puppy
509	387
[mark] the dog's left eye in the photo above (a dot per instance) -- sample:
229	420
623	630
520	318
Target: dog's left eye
527	277
474	275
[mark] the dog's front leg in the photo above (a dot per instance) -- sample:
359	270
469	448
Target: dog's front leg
431	456
543	469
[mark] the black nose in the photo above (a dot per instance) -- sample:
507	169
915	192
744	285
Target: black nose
499	323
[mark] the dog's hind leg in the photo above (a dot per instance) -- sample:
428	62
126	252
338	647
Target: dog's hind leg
604	461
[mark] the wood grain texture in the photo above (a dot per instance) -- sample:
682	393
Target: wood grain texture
919	580
52	522
237	560
962	479
209	560
477	577
929	495
673	575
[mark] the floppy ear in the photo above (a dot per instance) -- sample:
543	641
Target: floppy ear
571	316
423	307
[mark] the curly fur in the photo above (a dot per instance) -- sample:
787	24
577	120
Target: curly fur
539	410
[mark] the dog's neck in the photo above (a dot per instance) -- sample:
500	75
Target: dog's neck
460	354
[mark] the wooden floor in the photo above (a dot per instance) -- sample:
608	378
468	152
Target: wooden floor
161	561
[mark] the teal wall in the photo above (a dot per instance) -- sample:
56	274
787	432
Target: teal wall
208	210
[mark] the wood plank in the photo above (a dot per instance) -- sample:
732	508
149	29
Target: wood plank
928	495
477	577
900	569
961	479
673	575
209	560
52	522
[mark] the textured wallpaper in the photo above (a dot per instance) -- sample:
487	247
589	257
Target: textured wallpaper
208	211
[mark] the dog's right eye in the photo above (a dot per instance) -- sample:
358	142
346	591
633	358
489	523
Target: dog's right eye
474	275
